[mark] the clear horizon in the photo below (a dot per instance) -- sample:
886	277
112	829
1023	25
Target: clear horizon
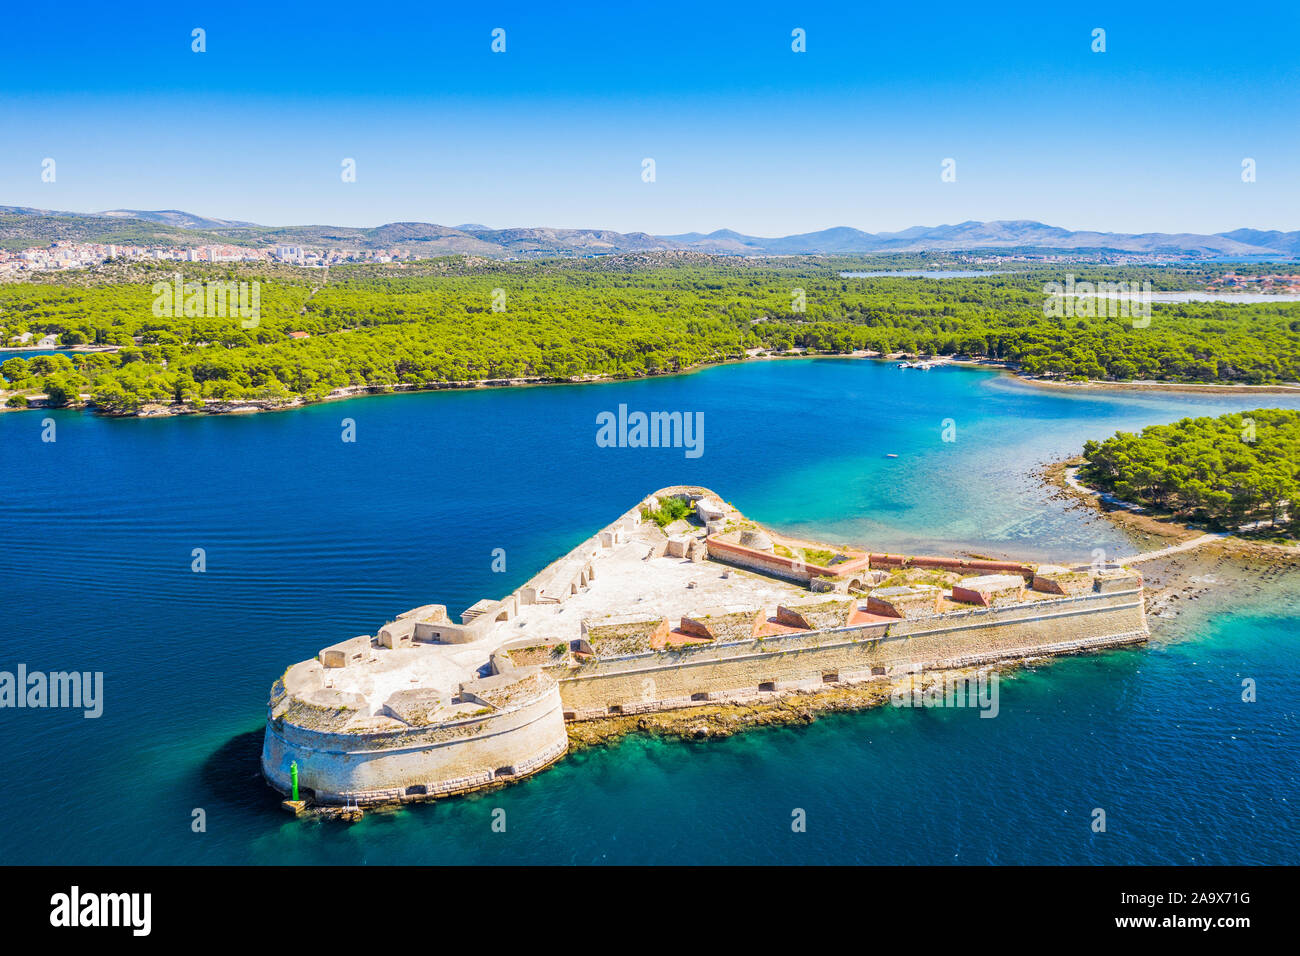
747	135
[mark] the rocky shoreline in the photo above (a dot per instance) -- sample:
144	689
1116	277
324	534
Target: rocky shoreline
1220	571
1141	526
715	721
712	721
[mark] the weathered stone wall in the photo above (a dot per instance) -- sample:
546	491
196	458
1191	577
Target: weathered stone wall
791	569
670	679
905	602
948	563
990	590
1055	580
352	651
816	617
410	764
723	625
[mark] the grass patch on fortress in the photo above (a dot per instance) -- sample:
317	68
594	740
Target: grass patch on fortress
669	510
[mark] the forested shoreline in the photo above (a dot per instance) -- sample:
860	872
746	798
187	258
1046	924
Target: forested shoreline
460	320
1224	470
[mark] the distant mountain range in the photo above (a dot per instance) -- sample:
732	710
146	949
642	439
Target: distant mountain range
21	225
1000	234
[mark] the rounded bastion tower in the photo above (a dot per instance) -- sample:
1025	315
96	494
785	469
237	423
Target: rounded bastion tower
370	724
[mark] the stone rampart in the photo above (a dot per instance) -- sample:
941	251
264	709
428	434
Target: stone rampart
413	763
662	680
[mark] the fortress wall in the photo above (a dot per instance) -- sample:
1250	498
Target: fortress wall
774	564
413	763
948	564
662	681
554	579
380	767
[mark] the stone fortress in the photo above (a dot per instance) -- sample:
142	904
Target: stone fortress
680	601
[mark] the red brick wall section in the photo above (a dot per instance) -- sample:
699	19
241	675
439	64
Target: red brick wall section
762	558
947	564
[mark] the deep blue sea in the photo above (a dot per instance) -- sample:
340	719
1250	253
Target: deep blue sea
309	540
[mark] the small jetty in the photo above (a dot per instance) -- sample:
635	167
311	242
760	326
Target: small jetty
350	812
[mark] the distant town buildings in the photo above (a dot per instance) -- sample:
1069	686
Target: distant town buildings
62	255
1276	282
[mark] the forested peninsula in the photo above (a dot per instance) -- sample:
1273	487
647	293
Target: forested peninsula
1223	471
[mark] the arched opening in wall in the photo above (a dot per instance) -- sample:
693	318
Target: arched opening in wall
830	677
417	790
570	715
769	685
702	695
307	794
877	671
616	708
503	616
503	772
573	588
855	586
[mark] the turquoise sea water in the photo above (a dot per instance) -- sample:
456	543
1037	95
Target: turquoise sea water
309	540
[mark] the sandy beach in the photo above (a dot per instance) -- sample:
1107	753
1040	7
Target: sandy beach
1194	387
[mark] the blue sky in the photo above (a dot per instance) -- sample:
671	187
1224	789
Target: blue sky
745	134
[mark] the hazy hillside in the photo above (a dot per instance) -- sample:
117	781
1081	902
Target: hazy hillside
172	217
25	226
22	228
